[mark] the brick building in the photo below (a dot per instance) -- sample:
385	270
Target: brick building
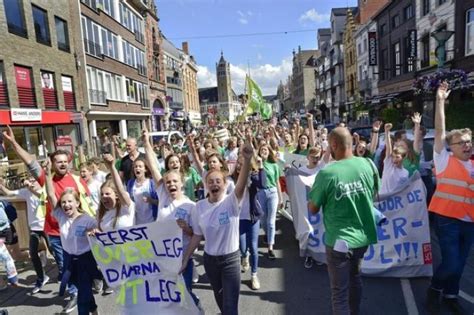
38	74
190	88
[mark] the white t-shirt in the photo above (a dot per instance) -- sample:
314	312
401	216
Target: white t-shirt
144	213
219	224
74	231
100	176
245	206
94	189
35	220
392	177
441	162
125	219
172	210
313	171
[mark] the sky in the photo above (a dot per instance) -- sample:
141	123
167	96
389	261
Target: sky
268	57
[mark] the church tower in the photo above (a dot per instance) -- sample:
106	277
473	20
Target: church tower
224	86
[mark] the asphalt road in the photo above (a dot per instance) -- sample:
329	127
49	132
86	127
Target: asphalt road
287	288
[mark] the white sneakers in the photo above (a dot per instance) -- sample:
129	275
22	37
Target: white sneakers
244	261
255	282
39	286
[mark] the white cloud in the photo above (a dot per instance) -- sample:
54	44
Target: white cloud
313	16
267	76
244	16
243	21
205	77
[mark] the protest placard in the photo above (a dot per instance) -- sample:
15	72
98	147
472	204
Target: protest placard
142	263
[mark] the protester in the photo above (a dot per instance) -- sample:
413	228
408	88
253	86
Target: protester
345	192
126	164
216	219
97	174
452	207
86	171
5	257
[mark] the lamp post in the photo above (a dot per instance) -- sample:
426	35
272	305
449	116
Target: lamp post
441	37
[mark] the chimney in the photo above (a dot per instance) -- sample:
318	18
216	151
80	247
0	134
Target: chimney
185	48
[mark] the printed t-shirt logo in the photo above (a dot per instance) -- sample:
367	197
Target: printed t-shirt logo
223	218
345	190
181	214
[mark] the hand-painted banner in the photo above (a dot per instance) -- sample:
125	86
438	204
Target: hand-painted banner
404	245
142	263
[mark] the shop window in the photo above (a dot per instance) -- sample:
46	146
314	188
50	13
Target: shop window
3	87
68	93
24	83
470	32
15	17
62	34
49	90
40	19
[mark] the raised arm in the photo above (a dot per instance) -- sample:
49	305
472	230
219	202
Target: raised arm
5	191
374	138
247	152
309	117
196	158
151	158
26	157
388	140
50	191
417	141
440	124
122	193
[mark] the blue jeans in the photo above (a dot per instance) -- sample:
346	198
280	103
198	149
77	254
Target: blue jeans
455	239
224	275
268	199
58	253
188	279
249	240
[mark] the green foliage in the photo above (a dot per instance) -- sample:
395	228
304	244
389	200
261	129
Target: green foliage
391	115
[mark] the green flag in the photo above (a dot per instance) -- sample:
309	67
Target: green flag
266	111
255	98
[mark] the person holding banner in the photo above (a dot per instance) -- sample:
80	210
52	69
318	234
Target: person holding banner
452	206
345	190
216	219
75	224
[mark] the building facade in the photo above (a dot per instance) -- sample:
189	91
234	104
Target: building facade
156	70
190	89
174	67
464	35
39	86
115	66
350	63
303	83
323	90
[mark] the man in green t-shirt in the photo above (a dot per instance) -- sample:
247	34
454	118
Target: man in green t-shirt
344	190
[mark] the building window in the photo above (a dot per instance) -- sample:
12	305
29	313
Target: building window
408	12
425	51
384	64
62	34
91	4
3	87
470	32
396	59
95	84
408	65
383	29
49	90
68	93
40	18
107	6
15	17
91	37
395	21
425	7
24	84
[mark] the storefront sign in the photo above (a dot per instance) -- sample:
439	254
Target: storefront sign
158	111
20	114
67	83
77	117
372	48
412	44
23	77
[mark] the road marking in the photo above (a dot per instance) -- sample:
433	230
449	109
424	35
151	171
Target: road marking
409	297
466	296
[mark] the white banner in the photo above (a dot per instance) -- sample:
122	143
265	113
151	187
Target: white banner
142	263
404	245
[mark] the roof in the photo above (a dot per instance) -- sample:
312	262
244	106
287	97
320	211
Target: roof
170	49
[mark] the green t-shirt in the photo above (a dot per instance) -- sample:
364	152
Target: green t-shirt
410	166
190	182
272	173
302	152
344	189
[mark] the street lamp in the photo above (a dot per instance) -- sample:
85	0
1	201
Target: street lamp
441	37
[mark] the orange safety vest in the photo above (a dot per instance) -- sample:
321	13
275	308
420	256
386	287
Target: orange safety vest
454	195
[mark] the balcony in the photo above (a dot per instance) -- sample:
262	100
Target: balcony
141	5
97	97
139	37
92	48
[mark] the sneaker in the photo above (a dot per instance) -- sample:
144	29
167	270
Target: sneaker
44	258
432	302
308	262
108	291
255	282
454	306
97	286
39	286
271	255
245	264
71	305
